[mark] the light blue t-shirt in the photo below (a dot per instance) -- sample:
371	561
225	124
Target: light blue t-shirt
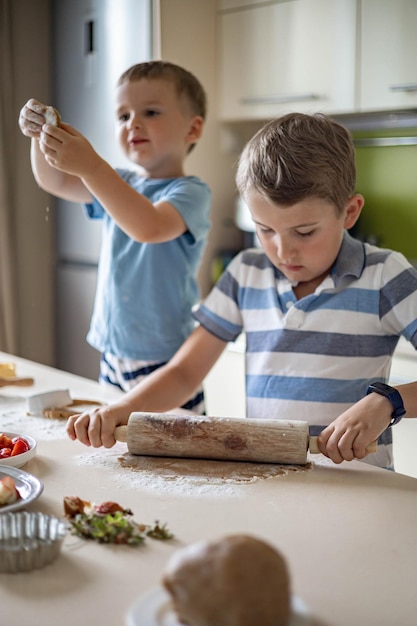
145	291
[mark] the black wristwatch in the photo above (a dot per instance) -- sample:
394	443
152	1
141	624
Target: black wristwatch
393	396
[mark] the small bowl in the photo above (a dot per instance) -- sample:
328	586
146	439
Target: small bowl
29	541
20	459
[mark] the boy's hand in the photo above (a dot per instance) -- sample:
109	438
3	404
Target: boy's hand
68	150
348	435
31	118
96	427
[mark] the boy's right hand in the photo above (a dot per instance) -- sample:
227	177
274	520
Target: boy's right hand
96	427
32	118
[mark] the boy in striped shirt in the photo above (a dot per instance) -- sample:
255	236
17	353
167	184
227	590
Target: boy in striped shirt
321	311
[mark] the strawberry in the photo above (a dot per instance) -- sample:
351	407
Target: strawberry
5	441
20	446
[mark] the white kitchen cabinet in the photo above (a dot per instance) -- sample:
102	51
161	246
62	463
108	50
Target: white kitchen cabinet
388	68
285	56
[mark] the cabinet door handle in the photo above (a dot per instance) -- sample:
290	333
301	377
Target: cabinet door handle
279	99
367	142
404	87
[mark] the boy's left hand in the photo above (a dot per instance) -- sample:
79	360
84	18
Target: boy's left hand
348	435
68	150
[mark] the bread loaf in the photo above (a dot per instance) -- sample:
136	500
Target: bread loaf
237	580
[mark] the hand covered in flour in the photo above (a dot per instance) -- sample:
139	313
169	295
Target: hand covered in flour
96	427
347	437
33	115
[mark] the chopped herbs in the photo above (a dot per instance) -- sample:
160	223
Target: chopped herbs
110	523
159	532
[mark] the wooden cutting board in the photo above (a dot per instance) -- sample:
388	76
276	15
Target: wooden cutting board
16	381
218	438
76	407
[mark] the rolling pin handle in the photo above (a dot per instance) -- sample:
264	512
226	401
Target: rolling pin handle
312	445
314	449
120	433
372	447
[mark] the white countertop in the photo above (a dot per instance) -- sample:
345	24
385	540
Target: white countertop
348	532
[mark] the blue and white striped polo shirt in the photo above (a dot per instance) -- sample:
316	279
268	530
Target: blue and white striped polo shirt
311	359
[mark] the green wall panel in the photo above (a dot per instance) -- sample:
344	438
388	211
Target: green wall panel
387	178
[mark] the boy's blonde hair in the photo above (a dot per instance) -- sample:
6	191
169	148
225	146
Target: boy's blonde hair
298	156
186	84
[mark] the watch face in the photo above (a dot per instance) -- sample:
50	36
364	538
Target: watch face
386	389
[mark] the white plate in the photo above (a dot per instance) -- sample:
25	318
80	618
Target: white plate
155	609
29	488
20	459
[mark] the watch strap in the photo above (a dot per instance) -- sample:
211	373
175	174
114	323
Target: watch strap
393	396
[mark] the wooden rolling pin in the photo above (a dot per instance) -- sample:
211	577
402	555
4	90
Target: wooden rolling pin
219	438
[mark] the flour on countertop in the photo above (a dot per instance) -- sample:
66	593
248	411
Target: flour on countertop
184	475
16	419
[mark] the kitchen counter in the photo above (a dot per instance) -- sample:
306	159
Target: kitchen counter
348	532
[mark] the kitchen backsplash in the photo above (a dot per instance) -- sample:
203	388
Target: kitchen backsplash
386	176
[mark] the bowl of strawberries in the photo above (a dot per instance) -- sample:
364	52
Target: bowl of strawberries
15	449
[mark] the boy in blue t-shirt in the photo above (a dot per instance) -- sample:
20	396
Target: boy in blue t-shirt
155	218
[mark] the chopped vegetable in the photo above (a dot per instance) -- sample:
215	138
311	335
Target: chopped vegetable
109	523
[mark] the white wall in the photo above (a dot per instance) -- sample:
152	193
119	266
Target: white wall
188	37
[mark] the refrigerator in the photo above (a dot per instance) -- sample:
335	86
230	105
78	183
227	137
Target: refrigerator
94	41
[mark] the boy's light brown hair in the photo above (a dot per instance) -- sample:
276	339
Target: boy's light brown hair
186	84
299	156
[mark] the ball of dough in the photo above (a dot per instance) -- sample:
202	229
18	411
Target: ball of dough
237	580
52	116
